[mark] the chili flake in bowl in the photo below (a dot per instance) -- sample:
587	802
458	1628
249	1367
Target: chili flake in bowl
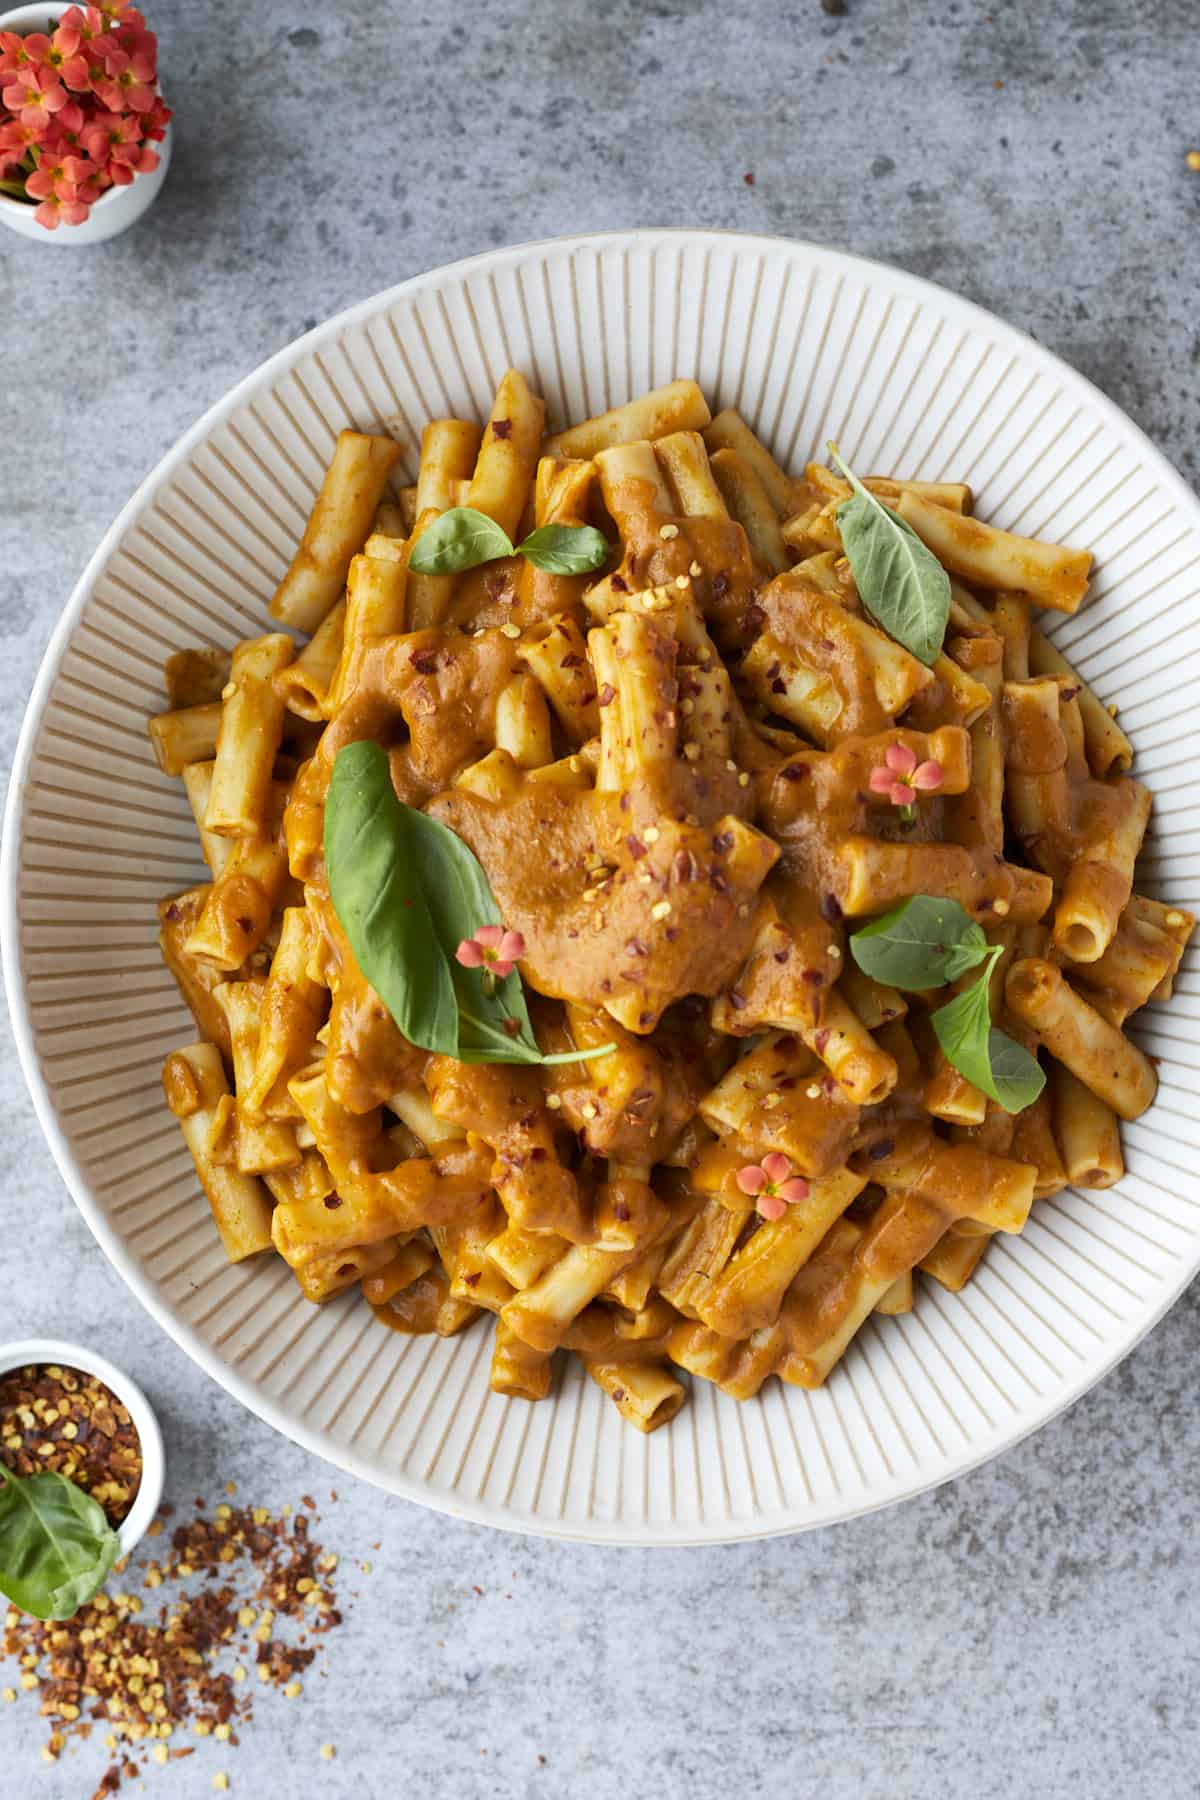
66	1410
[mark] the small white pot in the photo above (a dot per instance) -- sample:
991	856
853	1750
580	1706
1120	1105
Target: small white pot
134	1525
117	208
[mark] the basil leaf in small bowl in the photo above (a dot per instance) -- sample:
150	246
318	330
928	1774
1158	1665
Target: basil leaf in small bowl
56	1546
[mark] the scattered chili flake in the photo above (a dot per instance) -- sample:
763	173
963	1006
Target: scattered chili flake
748	178
502	428
144	1678
69	1422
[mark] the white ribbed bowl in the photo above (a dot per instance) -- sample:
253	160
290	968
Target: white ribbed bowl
806	343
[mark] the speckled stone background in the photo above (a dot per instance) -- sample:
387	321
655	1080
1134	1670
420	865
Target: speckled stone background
1030	1630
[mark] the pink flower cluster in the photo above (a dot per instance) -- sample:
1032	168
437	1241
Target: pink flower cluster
79	109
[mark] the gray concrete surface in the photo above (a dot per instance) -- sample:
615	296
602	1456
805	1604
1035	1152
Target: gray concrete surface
1031	1629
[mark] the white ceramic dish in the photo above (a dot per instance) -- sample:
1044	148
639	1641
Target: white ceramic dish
25	1351
806	342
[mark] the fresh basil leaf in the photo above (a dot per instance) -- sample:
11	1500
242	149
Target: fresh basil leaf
407	891
900	582
372	862
492	1026
460	539
922	944
565	549
56	1546
992	1061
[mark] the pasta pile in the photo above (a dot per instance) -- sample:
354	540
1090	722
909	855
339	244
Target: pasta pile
689	775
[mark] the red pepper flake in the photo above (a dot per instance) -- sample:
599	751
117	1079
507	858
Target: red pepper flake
635	846
635	947
68	1422
748	178
424	661
607	694
737	1001
722	842
793	771
502	428
819	1042
512	1027
332	1202
621	1212
814	977
619	583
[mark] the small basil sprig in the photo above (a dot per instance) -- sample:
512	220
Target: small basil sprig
463	538
900	582
926	943
922	944
407	891
56	1546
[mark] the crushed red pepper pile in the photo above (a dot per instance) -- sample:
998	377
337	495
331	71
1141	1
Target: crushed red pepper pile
139	1673
69	1422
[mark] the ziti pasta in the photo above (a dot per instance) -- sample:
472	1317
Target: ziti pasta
666	902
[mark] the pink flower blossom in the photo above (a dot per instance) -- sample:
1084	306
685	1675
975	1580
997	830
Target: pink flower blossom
493	949
772	1185
108	134
904	777
15	140
54	53
67	178
55	211
154	123
128	81
78	36
34	96
13	54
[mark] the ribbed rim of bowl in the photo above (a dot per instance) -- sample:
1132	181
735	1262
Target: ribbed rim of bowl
134	1525
645	1534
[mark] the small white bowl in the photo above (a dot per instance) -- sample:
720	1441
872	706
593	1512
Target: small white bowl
116	209
40	1351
